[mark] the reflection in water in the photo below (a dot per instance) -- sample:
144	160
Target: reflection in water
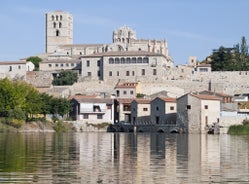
123	158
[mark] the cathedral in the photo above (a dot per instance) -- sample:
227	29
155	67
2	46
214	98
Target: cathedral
126	58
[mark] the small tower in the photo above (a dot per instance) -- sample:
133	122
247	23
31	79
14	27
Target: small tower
192	61
59	30
123	35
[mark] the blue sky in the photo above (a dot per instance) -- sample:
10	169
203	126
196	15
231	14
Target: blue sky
191	27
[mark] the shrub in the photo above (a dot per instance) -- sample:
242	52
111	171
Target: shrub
60	127
238	130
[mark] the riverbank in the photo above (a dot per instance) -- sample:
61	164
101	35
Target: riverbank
39	127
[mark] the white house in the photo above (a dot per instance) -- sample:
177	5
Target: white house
90	109
15	69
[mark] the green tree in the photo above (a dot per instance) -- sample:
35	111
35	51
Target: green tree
65	78
8	97
35	60
46	104
60	106
231	59
241	55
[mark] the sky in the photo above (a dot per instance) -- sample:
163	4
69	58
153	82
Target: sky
190	27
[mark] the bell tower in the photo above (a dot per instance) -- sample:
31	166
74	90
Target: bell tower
59	30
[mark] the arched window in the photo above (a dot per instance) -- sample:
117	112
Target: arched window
122	60
111	60
145	60
128	60
139	60
116	60
133	60
57	33
57	17
60	25
54	25
52	18
60	17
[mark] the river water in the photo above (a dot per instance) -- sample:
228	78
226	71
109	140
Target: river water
123	158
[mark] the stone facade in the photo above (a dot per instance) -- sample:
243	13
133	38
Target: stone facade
196	112
163	111
59	30
140	111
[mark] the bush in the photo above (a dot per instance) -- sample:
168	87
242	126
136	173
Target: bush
238	130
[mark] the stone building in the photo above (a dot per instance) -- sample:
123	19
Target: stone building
163	110
127	89
125	58
195	112
59	30
140	111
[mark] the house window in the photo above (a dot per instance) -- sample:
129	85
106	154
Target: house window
61	64
57	33
143	71
72	64
85	116
124	92
131	92
172	108
133	73
56	65
96	108
145	109
67	64
188	106
98	73
127	73
99	116
89	74
157	108
10	69
117	73
19	67
50	65
206	106
87	63
110	73
98	63
126	108
154	71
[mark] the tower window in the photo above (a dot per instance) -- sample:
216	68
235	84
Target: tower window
57	33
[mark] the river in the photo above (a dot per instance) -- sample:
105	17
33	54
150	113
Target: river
123	158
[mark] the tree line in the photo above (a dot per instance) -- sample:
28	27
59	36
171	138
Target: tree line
20	101
235	58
